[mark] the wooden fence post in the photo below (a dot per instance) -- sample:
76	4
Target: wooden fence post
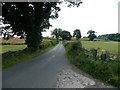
105	55
94	53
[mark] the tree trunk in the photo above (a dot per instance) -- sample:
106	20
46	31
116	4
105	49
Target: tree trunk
33	39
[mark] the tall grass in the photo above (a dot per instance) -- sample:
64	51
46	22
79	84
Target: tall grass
107	71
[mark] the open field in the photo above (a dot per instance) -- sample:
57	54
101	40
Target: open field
103	45
17	40
6	48
12	40
10	47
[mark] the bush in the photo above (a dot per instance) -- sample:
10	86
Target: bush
46	44
74	47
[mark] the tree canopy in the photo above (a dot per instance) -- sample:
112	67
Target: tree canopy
65	35
77	34
91	35
113	37
31	18
56	32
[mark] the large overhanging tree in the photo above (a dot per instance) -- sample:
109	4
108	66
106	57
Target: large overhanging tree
31	18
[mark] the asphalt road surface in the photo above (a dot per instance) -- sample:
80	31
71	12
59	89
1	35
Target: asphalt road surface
46	71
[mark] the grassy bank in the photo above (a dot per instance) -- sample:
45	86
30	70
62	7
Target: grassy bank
107	71
12	58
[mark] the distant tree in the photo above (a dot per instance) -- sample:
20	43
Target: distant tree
91	35
117	37
77	34
65	35
104	37
113	37
56	32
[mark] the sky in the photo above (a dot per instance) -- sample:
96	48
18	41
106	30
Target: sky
98	15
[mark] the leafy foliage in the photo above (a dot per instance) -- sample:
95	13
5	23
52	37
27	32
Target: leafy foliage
56	32
77	34
31	18
65	35
91	35
113	37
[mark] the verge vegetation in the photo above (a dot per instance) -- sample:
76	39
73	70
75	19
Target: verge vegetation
105	70
12	58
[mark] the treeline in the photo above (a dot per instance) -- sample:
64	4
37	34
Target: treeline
113	37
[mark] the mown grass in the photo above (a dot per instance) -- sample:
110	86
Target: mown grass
110	46
12	58
107	71
6	48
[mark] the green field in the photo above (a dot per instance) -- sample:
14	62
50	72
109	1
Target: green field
6	48
110	46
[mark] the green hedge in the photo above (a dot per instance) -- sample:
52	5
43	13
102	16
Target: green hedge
46	44
107	71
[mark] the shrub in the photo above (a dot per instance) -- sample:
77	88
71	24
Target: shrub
74	47
46	44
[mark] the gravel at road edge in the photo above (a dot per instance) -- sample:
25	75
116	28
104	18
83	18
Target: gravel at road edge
70	79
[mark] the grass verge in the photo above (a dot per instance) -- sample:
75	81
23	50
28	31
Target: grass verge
107	71
20	56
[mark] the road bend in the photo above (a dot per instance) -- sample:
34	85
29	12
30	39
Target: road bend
40	72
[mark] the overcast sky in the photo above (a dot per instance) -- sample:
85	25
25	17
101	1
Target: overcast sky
98	15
